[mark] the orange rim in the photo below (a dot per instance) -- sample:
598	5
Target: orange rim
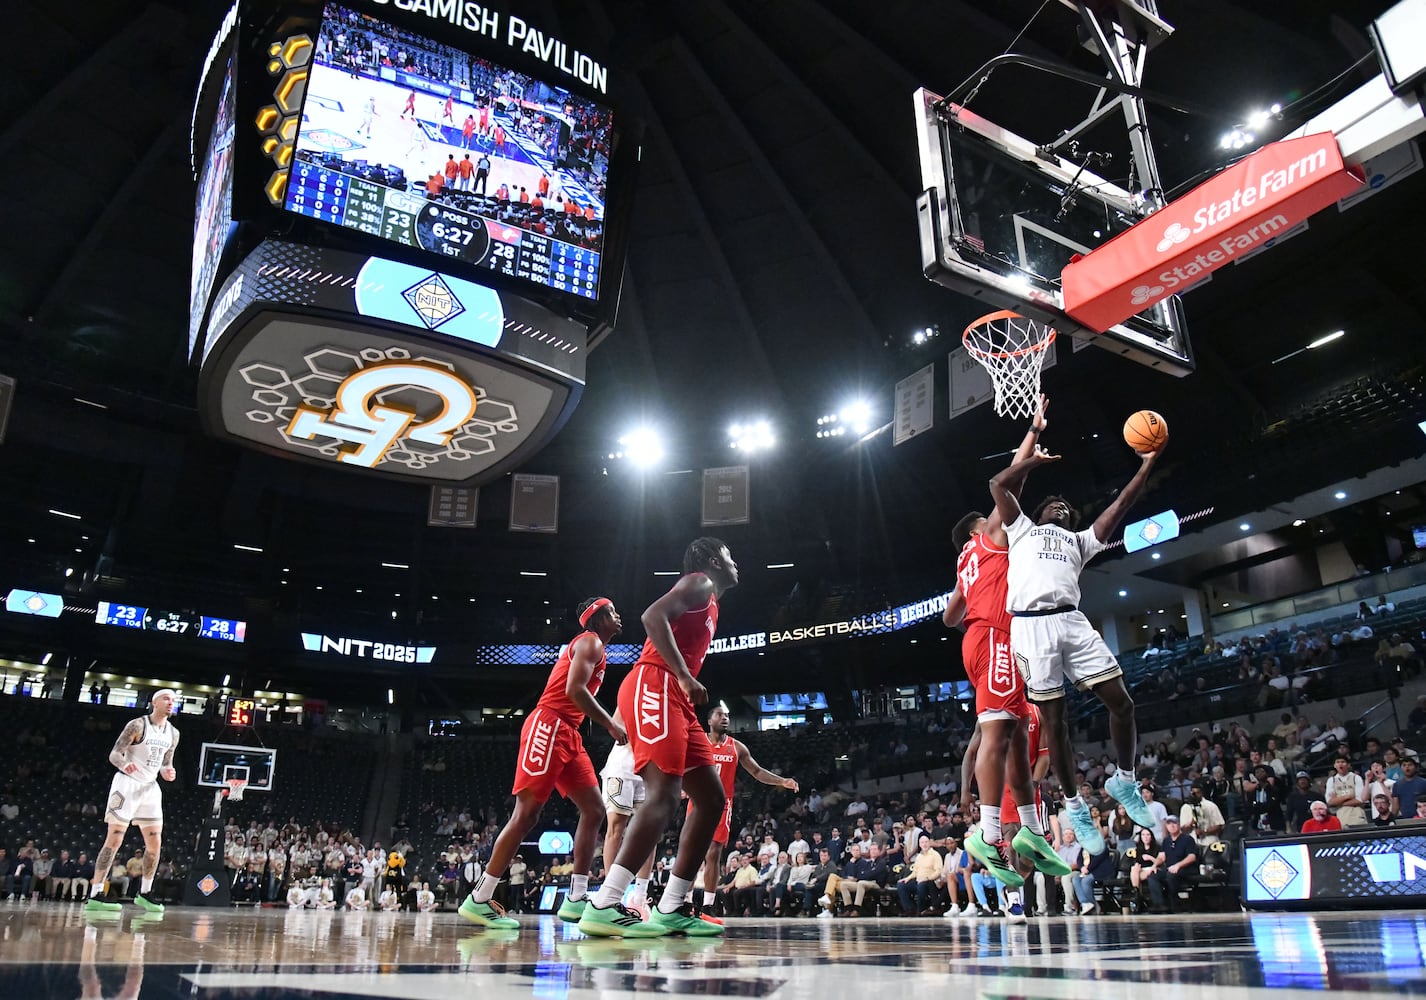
995	317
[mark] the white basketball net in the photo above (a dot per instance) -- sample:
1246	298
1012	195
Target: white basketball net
236	787
1012	349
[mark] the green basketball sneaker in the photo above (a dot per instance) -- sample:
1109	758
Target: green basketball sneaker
146	904
94	905
993	858
617	921
1035	848
490	914
684	921
572	909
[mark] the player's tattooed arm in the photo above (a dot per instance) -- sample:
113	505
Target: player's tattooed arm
128	736
173	748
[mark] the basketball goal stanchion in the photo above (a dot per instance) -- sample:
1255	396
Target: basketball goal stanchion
208	883
1012	349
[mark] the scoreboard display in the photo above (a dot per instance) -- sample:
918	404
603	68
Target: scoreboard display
171	622
240	711
531	157
462	234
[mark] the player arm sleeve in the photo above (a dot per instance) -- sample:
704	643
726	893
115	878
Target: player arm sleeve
121	745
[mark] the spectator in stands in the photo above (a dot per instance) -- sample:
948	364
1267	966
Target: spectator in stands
1410	790
425	898
1297	808
1376	780
1417	719
1321	821
1121	829
1149	859
1346	793
1264	801
1178	858
774	884
920	879
1199	816
44	868
1383	606
1364	611
747	888
1382	811
1160	812
356	899
799	880
819	884
867	873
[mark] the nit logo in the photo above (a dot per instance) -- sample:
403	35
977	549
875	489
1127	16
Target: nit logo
1274	874
1145	293
432	300
1175	234
207	885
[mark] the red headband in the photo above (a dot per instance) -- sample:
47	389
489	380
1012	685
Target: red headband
593	610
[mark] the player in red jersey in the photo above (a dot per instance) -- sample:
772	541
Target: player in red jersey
410	105
552	758
729	754
450	105
978	603
671	752
1037	744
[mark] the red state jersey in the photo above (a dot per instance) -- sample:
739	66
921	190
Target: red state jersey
981	573
692	634
554	697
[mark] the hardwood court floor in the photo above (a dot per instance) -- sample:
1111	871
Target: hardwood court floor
50	950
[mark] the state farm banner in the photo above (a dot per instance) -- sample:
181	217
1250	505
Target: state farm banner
1258	198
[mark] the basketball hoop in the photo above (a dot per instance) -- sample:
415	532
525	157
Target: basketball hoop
1012	349
236	786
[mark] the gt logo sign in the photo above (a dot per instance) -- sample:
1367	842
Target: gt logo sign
370	428
538	742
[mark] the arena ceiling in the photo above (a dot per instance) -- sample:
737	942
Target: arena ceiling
773	272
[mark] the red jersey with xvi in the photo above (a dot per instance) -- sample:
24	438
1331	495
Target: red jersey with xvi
982	572
663	726
552	755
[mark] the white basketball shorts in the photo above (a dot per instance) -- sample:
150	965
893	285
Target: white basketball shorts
134	801
623	789
1048	649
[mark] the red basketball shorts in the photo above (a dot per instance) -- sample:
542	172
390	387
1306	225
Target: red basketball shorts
552	757
725	823
999	689
663	727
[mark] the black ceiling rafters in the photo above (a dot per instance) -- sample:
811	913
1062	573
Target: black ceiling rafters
859	320
55	291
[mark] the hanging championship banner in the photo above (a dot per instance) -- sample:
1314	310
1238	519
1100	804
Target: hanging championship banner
725	496
535	503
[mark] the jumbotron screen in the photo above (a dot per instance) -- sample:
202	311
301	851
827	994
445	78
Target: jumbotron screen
416	142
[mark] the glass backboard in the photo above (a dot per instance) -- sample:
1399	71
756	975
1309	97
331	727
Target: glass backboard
1000	219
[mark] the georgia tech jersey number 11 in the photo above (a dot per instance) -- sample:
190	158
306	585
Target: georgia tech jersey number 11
371	429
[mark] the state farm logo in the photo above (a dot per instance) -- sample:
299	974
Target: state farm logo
1173	236
1143	294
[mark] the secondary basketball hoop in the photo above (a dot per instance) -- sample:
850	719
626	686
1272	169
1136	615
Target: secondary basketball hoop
1012	349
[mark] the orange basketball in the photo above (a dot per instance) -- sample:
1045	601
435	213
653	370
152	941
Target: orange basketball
1145	431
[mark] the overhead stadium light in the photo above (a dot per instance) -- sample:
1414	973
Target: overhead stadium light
857	415
642	447
751	437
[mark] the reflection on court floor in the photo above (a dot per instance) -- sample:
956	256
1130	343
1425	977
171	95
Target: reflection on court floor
53	951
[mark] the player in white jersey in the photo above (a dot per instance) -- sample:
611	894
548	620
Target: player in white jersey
143	753
1051	638
623	792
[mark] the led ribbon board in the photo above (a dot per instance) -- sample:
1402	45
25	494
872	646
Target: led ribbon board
1151	531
